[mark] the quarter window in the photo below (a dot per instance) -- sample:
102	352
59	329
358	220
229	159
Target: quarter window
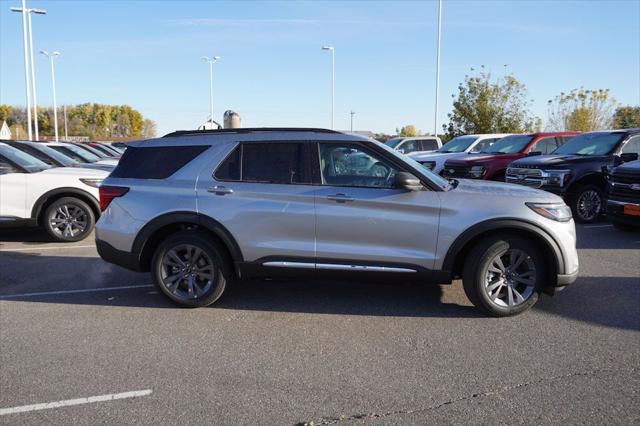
351	165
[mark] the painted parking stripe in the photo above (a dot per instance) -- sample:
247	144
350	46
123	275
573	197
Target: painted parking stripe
77	401
82	290
44	248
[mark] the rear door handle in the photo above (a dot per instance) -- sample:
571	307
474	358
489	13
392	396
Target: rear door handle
220	190
340	198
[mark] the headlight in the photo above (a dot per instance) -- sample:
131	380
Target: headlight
559	212
429	165
556	177
477	171
92	182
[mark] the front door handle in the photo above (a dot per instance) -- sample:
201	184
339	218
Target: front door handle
220	190
340	198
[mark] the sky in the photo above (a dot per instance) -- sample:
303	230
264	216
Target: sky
272	70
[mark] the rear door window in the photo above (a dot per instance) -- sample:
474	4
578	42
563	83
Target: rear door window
410	146
269	162
545	145
429	144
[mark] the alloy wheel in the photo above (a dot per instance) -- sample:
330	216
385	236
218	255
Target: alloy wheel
511	278
589	205
187	271
69	221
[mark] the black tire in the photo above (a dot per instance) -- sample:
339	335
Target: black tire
212	254
623	226
575	201
477	271
68	219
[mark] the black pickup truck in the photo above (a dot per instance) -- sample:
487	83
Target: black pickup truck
577	170
623	197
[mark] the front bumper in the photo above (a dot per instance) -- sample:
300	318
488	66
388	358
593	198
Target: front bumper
566	279
125	259
615	209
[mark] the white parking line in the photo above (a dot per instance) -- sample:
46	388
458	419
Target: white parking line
78	401
83	290
44	248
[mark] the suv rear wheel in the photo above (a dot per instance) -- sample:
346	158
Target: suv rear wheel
587	203
503	275
190	269
68	219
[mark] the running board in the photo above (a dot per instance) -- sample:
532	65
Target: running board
338	267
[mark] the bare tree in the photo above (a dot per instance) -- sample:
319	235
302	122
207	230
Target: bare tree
581	110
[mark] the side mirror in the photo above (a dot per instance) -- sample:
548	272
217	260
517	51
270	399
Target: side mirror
532	153
404	180
628	156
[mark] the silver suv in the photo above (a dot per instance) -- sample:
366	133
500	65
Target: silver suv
200	209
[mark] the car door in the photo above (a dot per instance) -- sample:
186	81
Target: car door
13	191
361	219
262	193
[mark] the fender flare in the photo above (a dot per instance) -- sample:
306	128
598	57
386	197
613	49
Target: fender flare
187	217
502	224
84	195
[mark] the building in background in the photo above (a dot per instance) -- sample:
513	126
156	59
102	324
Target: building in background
5	133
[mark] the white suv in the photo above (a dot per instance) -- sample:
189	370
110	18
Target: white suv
63	200
415	144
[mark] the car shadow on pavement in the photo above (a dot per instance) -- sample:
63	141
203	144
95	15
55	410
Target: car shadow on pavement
606	301
24	235
605	236
61	276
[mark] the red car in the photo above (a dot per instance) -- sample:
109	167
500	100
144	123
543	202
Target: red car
492	163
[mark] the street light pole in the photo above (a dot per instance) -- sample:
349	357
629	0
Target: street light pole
33	69
51	56
352	114
333	80
435	119
27	83
211	61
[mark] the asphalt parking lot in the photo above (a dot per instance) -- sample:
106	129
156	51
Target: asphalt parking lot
74	327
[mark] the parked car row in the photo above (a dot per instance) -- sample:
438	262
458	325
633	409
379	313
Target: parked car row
573	165
54	185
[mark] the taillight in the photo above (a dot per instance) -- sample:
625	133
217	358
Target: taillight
108	193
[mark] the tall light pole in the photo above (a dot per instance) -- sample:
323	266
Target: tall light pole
27	83
211	61
51	57
352	114
33	68
333	80
435	119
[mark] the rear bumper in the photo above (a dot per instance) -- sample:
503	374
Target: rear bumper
125	259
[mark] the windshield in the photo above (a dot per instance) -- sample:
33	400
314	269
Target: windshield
599	143
509	145
22	159
91	150
60	158
458	144
83	154
392	143
438	180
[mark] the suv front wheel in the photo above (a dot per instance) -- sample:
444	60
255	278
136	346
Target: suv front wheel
190	269
587	203
503	275
69	219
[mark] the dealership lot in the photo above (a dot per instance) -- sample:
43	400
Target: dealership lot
73	327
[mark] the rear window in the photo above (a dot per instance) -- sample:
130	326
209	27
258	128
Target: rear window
155	162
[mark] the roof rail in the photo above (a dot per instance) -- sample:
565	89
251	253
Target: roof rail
243	130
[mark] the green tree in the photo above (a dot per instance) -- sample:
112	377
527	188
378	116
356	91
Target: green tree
581	110
626	117
485	105
408	131
148	129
